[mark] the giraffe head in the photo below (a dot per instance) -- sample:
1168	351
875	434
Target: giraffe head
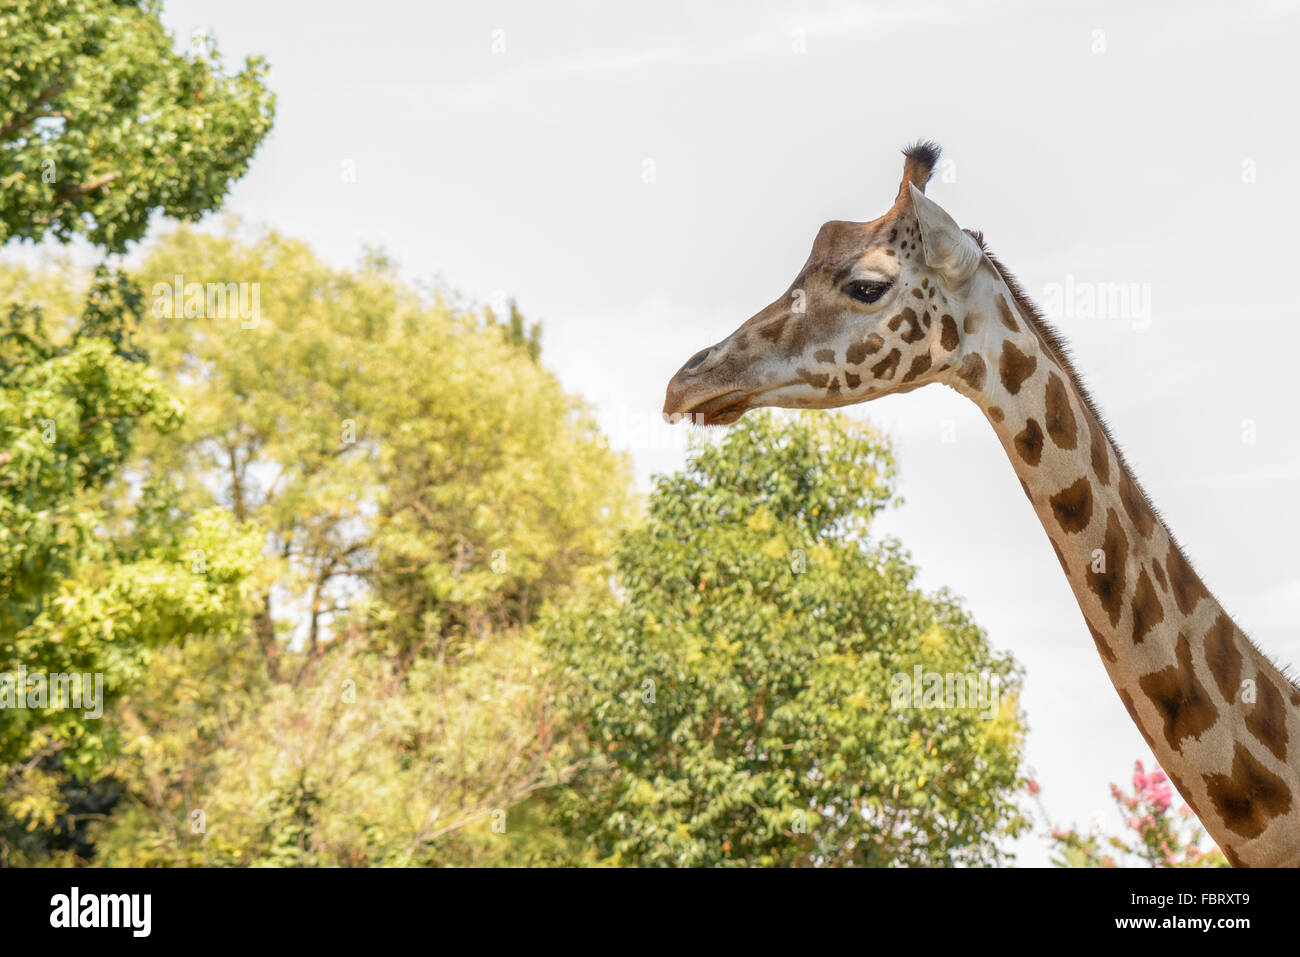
871	313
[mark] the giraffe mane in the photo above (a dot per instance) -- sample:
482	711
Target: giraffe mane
1058	347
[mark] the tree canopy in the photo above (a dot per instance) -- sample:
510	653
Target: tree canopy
103	122
737	696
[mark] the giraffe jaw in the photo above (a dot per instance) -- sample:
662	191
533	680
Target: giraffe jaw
724	408
721	409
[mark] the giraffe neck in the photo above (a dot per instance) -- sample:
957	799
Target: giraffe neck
1221	719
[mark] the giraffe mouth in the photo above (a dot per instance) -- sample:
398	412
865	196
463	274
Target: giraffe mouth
719	410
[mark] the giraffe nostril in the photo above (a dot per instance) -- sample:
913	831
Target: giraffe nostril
696	359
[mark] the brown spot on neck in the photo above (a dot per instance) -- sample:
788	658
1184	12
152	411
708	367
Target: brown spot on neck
1224	657
1015	367
1104	648
948	338
1004	313
1059	417
1100	453
1181	700
1147	610
1249	796
1108	584
1266	719
1135	505
1072	506
1187	588
973	371
1029	443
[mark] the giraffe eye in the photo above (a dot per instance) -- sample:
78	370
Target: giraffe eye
865	290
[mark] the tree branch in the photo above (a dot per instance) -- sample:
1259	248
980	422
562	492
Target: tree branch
36	108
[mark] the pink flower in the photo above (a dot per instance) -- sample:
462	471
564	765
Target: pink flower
1033	787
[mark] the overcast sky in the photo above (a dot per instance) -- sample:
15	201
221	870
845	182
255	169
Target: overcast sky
645	177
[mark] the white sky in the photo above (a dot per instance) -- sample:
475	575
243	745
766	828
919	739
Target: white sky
521	172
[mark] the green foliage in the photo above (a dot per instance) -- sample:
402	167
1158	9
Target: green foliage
384	442
359	763
736	696
102	122
424	487
79	594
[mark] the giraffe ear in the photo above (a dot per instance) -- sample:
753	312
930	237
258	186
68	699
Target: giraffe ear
949	250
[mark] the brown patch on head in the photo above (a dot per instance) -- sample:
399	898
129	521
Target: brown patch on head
817	380
1181	700
996	413
1100	454
973	370
851	380
886	367
858	352
1249	796
1266	720
1103	646
1059	417
1224	657
913	332
1072	506
824	355
1108	584
1015	367
1135	505
919	365
948	337
972	322
1147	610
1029	443
1187	589
1004	313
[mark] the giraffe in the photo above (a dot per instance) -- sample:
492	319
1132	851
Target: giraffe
910	299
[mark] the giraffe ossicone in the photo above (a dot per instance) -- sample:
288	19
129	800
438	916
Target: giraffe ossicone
911	298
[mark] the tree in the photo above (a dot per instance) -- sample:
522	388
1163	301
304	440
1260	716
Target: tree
743	697
425	487
392	446
81	595
102	122
1155	834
